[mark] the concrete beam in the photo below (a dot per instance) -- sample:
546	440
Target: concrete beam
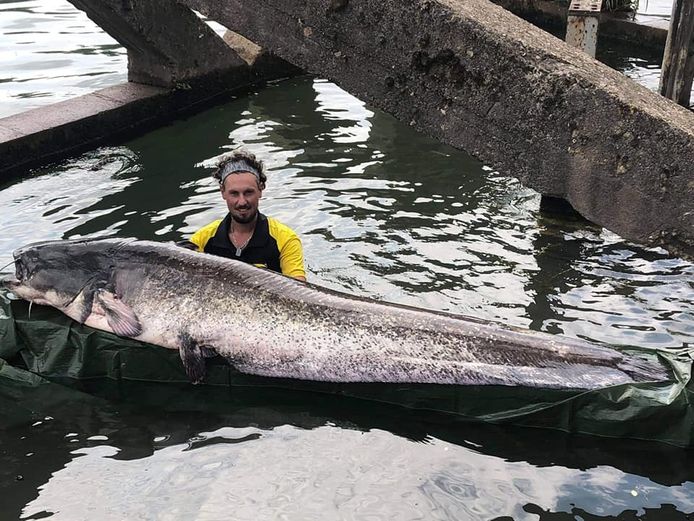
477	77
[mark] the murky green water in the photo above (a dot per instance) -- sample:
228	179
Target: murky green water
383	212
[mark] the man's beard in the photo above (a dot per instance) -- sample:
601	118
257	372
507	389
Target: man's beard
244	220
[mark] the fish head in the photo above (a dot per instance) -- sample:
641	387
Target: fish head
54	273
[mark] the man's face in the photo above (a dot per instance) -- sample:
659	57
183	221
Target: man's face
242	194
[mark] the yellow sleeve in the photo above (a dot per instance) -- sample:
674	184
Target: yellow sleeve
292	258
291	251
204	234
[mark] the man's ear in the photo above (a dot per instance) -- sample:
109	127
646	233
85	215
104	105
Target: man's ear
262	187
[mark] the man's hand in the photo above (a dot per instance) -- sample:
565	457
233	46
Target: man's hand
187	245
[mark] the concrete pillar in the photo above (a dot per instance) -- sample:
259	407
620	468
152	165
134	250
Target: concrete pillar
582	25
168	45
582	33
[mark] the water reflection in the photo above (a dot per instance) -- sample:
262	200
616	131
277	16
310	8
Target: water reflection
56	205
194	454
355	475
642	65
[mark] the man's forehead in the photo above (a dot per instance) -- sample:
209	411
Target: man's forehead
239	180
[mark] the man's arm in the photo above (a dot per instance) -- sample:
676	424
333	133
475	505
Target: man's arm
292	259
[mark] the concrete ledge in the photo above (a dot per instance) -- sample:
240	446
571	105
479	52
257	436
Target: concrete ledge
652	33
41	135
63	115
8	134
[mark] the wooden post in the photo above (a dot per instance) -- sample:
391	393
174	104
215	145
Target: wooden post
678	60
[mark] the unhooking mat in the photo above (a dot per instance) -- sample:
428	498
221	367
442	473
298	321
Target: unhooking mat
48	345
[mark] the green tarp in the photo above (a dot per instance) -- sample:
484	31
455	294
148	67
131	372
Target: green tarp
47	346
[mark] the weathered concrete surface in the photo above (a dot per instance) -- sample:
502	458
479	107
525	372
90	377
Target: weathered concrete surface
170	46
480	79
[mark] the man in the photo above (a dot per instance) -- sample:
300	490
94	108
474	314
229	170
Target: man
245	233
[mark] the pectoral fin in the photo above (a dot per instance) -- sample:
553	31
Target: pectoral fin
120	317
83	303
80	307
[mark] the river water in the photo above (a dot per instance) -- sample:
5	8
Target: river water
383	212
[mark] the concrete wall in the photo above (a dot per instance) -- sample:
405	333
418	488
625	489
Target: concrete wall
477	77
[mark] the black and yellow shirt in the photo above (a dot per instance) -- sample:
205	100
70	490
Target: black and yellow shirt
273	245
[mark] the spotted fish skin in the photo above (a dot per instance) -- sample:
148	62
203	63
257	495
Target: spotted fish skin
267	324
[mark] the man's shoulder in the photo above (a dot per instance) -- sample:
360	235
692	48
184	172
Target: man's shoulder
204	234
211	227
291	250
279	230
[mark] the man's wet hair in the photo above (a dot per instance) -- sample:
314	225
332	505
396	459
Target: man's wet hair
239	161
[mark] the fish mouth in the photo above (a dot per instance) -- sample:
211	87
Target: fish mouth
12	282
20	269
19	284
